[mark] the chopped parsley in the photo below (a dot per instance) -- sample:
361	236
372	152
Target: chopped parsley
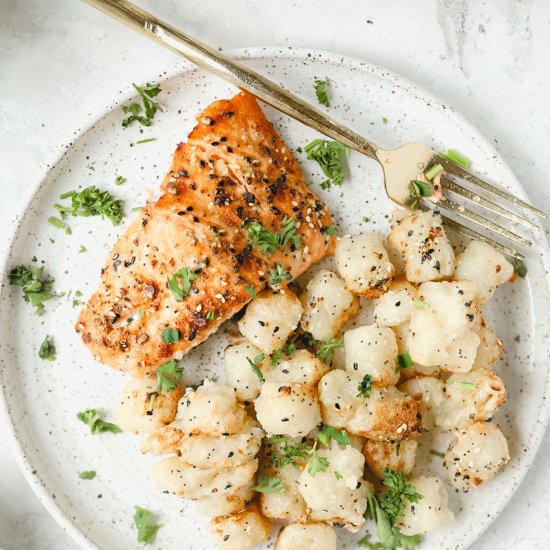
47	349
151	107
170	335
364	388
437	453
36	291
254	365
316	463
87	474
289	349
277	275
394	501
180	283
267	484
327	432
146	525
327	349
91	202
56	222
517	338
168	375
338	475
520	268
96	423
287	453
384	120
276	357
462	385
145	140
404	361
140	314
250	290
421	303
365	542
331	157
119	180
267	241
321	91
366	220
419	190
332	231
210	316
82	249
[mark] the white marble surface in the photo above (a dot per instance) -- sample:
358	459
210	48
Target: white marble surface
60	60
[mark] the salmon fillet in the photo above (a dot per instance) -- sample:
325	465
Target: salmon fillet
234	167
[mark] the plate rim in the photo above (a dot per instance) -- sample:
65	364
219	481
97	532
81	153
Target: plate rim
59	150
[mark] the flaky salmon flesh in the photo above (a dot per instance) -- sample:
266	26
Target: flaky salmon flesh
188	263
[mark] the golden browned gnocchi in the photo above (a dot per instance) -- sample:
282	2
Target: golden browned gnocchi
426	251
238	373
363	263
431	512
490	347
399	457
270	318
429	393
135	412
328	305
240	531
222	505
302	367
476	456
372	350
385	415
485	266
306	536
397	305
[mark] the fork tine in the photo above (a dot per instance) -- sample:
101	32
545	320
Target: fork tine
474	198
456	170
460	211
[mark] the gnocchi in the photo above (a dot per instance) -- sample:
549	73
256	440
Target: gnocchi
238	373
306	536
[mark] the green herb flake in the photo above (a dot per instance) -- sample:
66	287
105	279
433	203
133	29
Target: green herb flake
520	268
421	303
56	222
119	180
36	290
437	453
366	220
518	338
170	335
331	230
145	140
254	365
287	455
331	157
327	349
277	275
82	249
398	448
338	475
87	474
180	283
47	349
289	349
210	316
275	439
276	357
418	190
321	91
96	423
267	241
364	388
250	289
462	385
151	107
326	433
267	484
146	525
404	361
433	171
384	120
394	501
316	463
456	157
365	542
140	314
168	375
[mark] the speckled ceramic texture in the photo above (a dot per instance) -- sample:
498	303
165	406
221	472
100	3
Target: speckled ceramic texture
41	399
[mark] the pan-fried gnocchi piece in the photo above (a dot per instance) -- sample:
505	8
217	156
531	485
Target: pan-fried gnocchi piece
240	531
386	415
476	456
222	505
429	393
472	397
288	409
176	476
163	441
306	536
490	347
431	512
301	367
363	263
270	318
372	350
484	266
329	305
225	451
397	305
211	410
337	498
399	457
238	373
134	413
426	251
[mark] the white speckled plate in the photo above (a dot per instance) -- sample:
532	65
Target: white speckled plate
41	399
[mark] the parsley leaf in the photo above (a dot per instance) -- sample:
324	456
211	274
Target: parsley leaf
267	241
277	275
170	335
254	365
267	484
97	425
520	268
87	474
168	375
146	525
151	107
47	349
404	361
276	357
437	453
35	290
179	290
331	157
321	91
250	290
210	316
119	180
289	349
326	349
366	543
418	189
394	501
364	388
331	230
287	453
327	432
92	202
316	463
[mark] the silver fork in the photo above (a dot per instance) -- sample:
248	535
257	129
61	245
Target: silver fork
400	165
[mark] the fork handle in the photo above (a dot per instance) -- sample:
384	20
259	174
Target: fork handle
238	74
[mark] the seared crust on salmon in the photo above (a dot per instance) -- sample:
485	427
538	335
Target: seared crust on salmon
234	167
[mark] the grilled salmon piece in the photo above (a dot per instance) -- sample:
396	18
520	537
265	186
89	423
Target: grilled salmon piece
234	167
